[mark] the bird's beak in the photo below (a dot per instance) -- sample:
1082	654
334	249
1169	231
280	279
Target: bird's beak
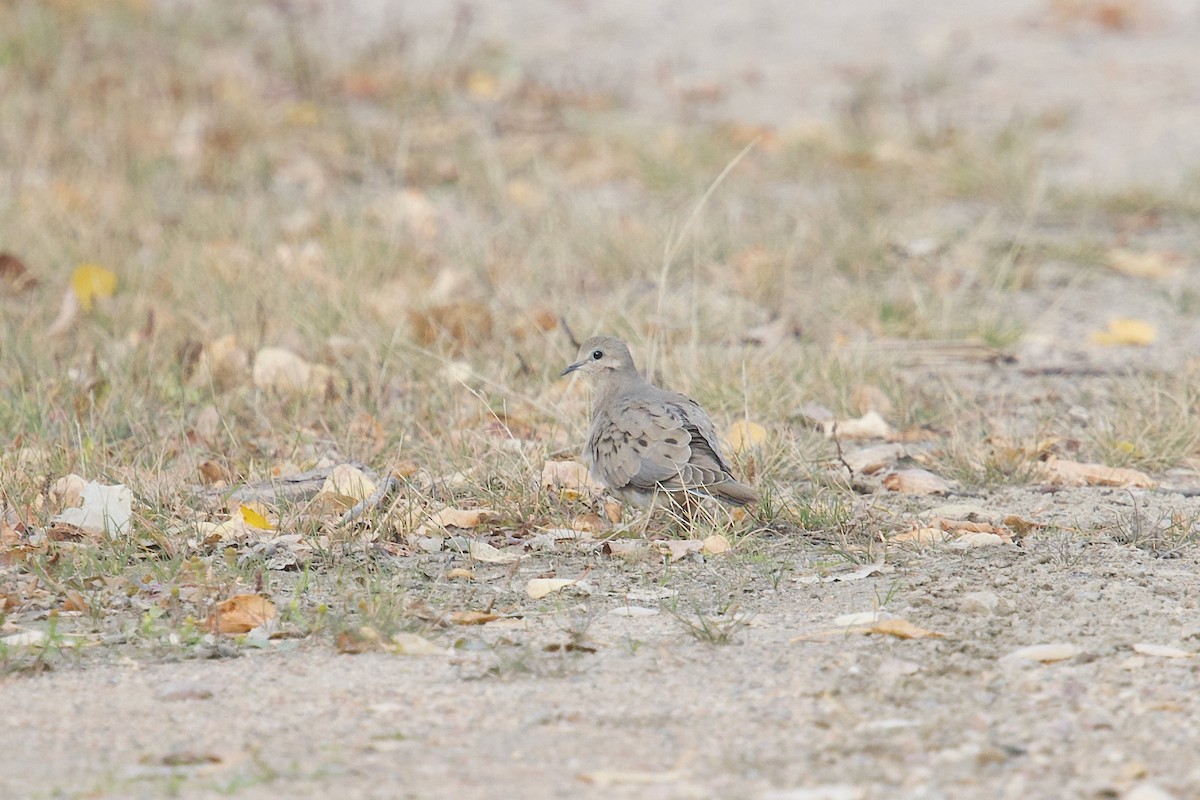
571	368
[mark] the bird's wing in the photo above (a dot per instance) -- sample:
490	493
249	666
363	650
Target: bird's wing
644	444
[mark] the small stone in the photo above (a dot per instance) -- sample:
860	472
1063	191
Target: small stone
1044	653
1148	791
981	603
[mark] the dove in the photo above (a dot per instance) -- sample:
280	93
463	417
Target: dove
644	440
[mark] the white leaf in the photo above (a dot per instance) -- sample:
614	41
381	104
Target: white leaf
105	509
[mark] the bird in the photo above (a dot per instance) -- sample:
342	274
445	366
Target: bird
645	441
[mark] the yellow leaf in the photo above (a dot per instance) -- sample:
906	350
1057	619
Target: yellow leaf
1126	331
483	85
304	115
90	281
1139	264
254	519
744	435
902	629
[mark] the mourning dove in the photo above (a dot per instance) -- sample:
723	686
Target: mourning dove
644	440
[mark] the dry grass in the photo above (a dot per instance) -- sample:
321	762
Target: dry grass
417	229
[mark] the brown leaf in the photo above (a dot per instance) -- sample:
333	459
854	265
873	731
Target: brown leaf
241	613
213	473
1073	473
460	518
358	641
74	601
1021	526
14	275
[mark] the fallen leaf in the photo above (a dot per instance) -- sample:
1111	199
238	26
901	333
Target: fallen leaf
1126	331
74	601
347	485
1020	526
570	479
410	644
1073	473
90	282
283	372
1146	264
715	544
472	617
104	509
485	553
221	362
1045	653
537	588
241	613
676	549
254	518
14	275
902	629
1160	651
745	435
624	547
915	481
919	536
869	426
67	491
870	460
363	640
460	518
212	473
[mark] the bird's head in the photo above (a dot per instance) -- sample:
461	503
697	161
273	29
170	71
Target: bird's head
602	359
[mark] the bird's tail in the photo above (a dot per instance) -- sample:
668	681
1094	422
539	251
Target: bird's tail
734	493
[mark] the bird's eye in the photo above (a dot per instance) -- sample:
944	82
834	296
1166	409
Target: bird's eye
597	355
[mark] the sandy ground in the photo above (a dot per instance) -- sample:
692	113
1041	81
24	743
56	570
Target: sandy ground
654	712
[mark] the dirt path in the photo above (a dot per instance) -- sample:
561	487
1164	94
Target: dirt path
656	713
